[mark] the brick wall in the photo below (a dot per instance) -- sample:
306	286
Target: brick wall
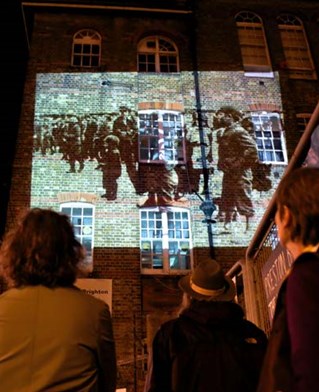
53	89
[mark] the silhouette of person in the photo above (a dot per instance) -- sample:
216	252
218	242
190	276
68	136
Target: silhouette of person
73	145
237	154
125	128
209	346
110	164
53	336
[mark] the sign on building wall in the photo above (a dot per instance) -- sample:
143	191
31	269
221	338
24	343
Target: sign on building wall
99	288
273	273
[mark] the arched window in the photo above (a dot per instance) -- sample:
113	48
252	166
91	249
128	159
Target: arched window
298	59
157	54
252	42
86	49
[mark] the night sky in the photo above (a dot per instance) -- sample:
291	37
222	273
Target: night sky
13	61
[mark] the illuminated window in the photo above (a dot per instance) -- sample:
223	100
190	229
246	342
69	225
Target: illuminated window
298	59
157	54
86	49
252	42
269	137
82	218
302	121
165	240
161	136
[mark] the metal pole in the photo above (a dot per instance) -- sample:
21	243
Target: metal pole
207	205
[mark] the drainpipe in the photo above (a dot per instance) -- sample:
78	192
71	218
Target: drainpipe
207	205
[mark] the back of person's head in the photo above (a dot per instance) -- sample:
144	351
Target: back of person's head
41	250
299	192
207	282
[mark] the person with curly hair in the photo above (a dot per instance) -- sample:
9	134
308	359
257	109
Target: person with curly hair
53	336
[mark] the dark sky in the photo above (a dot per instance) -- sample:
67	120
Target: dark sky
13	60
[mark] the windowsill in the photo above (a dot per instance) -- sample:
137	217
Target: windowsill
149	271
273	163
259	74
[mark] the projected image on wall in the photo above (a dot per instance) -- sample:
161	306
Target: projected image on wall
119	144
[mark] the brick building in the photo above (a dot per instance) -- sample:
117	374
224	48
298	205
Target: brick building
121	129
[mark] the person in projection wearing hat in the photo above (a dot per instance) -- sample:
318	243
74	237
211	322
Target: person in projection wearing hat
210	346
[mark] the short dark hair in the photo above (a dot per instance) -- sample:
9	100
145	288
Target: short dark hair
41	250
299	191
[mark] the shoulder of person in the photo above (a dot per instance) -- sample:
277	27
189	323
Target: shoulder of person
254	334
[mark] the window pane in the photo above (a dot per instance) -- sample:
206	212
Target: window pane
86	60
88	212
86	49
77	49
77	230
95	49
77	60
66	211
151	67
94	61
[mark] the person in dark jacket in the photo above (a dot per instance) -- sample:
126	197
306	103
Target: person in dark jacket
291	361
210	347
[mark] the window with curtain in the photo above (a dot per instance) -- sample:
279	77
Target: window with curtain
252	41
298	60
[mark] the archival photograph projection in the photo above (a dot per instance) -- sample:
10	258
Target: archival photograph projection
162	153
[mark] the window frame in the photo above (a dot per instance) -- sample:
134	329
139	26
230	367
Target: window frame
292	32
153	57
150	144
161	236
302	121
87	41
81	205
249	25
266	144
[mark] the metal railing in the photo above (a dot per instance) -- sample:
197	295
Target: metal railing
265	240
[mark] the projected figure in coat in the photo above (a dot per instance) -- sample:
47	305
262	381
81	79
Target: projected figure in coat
237	154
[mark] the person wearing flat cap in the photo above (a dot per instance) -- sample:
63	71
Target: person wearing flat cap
210	346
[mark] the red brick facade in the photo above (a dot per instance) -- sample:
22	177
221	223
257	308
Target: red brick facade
210	76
